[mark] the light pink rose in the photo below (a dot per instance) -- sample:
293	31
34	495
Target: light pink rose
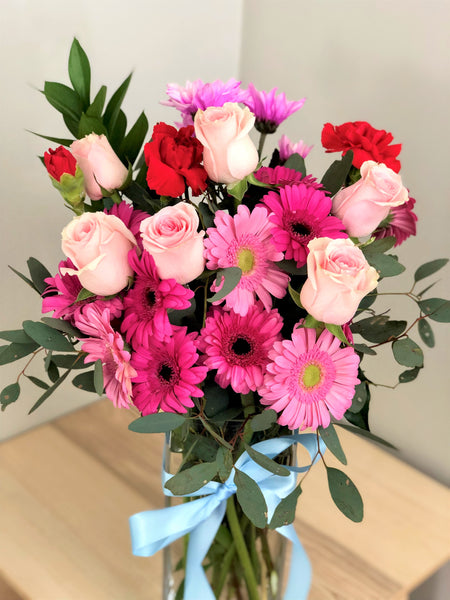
363	205
98	245
229	154
171	237
100	164
338	278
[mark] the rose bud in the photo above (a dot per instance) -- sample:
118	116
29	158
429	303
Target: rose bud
365	204
229	154
100	165
98	245
339	277
171	237
66	176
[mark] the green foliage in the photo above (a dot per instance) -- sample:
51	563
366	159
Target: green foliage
157	423
285	511
47	337
192	479
132	142
231	277
378	329
238	189
64	99
49	392
367	434
61	325
264	420
336	174
429	268
113	108
387	265
96	108
437	309
426	333
361	397
297	163
364	349
345	494
224	460
295	296
80	72
251	499
85	381
16	335
407	353
267	463
378	246
9	395
24	278
331	439
38	274
98	377
409	375
290	266
16	351
337	331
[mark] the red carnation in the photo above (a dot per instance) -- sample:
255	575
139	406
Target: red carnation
173	159
59	161
366	142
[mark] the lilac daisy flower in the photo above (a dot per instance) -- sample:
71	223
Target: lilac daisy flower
270	110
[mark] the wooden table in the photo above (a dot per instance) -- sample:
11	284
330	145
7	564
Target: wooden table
68	487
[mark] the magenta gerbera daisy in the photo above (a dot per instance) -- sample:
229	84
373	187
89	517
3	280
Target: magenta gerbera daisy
400	223
130	216
245	241
270	109
146	304
283	176
238	346
167	375
299	214
308	379
107	345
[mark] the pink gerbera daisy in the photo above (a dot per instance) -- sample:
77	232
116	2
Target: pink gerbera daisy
401	223
269	109
287	148
299	214
167	377
147	302
238	347
107	345
308	379
62	292
245	241
283	176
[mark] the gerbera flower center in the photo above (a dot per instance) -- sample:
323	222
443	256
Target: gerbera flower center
301	229
312	376
151	297
241	346
165	372
246	260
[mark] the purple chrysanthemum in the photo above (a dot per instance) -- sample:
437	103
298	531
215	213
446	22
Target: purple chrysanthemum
147	302
238	347
269	109
167	377
300	214
287	148
283	176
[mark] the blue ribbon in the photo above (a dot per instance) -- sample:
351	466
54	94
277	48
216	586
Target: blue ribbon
152	530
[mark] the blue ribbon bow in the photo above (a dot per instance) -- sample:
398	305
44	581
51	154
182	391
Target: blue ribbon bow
152	530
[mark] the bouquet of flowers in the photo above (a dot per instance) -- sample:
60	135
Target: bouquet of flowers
230	298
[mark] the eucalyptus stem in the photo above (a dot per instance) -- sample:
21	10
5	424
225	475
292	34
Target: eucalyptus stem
225	570
241	550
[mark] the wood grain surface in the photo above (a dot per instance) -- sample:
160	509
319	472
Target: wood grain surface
67	489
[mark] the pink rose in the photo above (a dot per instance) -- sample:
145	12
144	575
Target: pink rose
98	245
229	154
338	278
100	164
171	237
363	205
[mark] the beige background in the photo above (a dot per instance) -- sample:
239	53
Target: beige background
385	62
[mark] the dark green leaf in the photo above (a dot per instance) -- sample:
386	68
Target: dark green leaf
345	494
28	281
296	162
266	463
141	198
69	361
437	308
428	288
64	99
229	414
337	173
362	395
378	329
112	110
117	134
386	265
61	325
17	336
71	124
407	353
429	268
203	448
38	382
367	301
426	333
38	274
290	266
84	294
364	349
295	296
285	511
192	479
238	189
98	377
264	420
96	108
311	323
207	216
15	351
176	316
378	246
89	125
231	277
85	381
9	394
217	399
47	337
331	439
367	434
80	71
157	423
57	140
409	375
134	139
361	418
53	372
224	460
251	499
48	392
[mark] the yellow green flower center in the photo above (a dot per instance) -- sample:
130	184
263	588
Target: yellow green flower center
246	260
312	375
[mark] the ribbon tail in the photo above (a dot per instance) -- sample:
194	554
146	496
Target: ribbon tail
299	580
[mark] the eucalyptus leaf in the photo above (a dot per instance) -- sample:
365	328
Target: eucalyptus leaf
378	246
264	420
224	460
407	352
336	174
61	325
53	372
362	395
296	162
98	377
38	382
386	265
409	375
345	494
69	361
359	419
284	513
47	337
290	266
438	309
266	463
366	434
38	274
368	300
251	499
9	394
16	351
85	381
80	71
157	423
231	277
331	439
378	329
24	278
426	333
18	336
192	479
364	349
429	268
49	392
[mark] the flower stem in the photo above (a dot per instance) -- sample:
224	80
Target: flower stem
262	139
242	551
225	570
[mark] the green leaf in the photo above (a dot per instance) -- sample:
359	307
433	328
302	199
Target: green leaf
80	71
89	125
367	301
42	384
157	423
429	268
56	140
409	375
362	395
378	329
192	479
18	336
47	337
231	277
285	511
15	351
407	353
296	162
38	274
117	134
112	110
85	381
290	266
64	99
224	460
61	325
438	309
84	294
264	420
98	377
251	499
378	246
266	463
132	142
423	292
206	214
9	394
364	349
426	333
367	434
311	323
359	419
216	399
69	361
237	190
49	392
71	124
53	372
96	108
345	494
295	296
337	331
337	173
386	265
28	281
330	437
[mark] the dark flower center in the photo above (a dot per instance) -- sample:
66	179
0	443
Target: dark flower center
165	372
241	346
301	229
150	297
